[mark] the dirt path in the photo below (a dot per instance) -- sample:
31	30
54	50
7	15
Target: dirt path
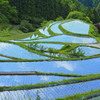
96	44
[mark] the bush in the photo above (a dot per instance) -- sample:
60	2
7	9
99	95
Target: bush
59	19
78	15
44	23
25	26
3	18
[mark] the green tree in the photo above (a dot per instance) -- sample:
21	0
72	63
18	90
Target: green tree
78	15
9	11
25	26
96	2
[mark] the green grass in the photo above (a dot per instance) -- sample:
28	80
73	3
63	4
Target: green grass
8	31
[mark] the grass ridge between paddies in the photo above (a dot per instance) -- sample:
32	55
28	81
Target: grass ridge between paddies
82	96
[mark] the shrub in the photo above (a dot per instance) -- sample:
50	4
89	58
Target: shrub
59	19
25	26
3	18
78	15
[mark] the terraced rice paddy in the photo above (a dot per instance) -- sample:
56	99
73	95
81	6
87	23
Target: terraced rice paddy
76	27
52	93
29	79
68	39
70	67
50	57
18	52
55	28
89	51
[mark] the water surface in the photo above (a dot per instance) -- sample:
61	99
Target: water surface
51	93
27	80
55	28
84	67
76	27
16	51
47	45
89	51
68	39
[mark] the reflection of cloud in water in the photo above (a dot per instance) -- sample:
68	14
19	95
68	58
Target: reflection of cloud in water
3	84
66	65
87	40
22	65
17	79
44	78
4	45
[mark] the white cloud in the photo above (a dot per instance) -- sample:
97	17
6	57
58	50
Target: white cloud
66	65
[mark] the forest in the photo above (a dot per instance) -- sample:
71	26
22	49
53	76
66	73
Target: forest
31	13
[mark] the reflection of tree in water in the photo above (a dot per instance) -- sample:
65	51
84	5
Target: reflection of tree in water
77	52
33	46
38	97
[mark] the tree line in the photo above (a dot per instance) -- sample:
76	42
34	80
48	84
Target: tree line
36	11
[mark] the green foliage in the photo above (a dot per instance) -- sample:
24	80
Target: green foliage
59	19
93	14
3	18
96	2
9	11
43	23
78	15
25	26
98	8
94	31
88	3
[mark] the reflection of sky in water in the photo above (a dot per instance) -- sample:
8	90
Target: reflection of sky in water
49	45
76	27
91	66
45	30
52	93
68	39
55	28
22	80
16	51
90	51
